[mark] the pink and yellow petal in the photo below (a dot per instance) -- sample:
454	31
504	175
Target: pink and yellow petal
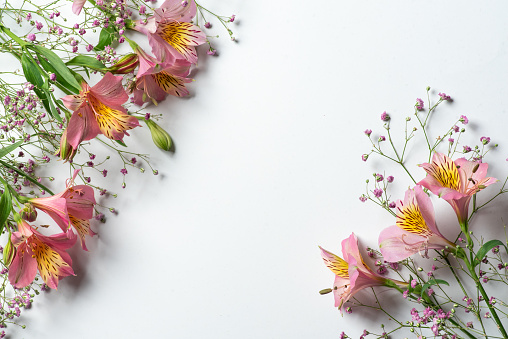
82	226
109	91
182	37
336	264
111	122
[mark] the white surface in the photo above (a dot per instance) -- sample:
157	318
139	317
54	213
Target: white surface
223	243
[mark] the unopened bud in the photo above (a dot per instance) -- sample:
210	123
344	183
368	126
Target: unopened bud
9	251
65	152
160	137
29	213
127	64
325	291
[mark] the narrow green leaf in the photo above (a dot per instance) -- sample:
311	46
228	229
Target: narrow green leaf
58	65
31	72
64	85
5	207
105	38
86	61
482	252
433	282
121	143
8	149
52	108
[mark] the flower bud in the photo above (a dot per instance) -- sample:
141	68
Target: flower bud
29	213
9	252
127	64
160	137
325	291
65	152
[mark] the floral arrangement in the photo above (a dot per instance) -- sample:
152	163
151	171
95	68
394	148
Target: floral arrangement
84	80
457	295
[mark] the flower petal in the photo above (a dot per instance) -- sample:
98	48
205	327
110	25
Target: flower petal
109	91
336	264
82	126
77	6
393	243
23	268
182	37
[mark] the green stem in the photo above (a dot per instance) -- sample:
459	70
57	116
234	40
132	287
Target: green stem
476	280
26	176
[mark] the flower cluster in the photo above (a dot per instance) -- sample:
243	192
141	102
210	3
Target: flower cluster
415	234
76	89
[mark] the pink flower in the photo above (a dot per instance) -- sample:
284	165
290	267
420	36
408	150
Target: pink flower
35	251
98	110
415	230
170	33
155	80
77	6
456	182
351	273
72	207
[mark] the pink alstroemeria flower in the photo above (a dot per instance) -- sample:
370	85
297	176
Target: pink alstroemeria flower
456	182
35	251
72	207
155	80
170	33
351	273
77	6
98	110
415	230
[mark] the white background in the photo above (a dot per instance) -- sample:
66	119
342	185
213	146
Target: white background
224	242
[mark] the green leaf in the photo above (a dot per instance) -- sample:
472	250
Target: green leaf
433	282
60	69
6	150
86	61
5	207
121	143
52	108
482	252
64	85
105	38
32	73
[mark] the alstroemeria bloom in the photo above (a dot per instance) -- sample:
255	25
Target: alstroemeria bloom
351	273
415	230
170	33
35	251
98	110
155	80
456	181
72	207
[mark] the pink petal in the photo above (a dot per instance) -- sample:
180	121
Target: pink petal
82	126
110	91
80	201
173	10
73	102
426	208
55	207
23	268
77	6
393	248
149	27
